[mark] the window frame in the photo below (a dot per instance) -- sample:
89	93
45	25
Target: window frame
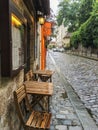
14	10
7	8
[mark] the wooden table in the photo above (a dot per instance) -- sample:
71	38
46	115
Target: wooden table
40	90
44	74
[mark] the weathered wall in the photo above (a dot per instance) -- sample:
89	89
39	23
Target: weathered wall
8	115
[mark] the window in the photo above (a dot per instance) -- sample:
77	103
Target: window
17	43
12	39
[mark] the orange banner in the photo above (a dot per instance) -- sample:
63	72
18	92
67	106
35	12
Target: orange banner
47	29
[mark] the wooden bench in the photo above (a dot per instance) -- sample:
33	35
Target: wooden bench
36	120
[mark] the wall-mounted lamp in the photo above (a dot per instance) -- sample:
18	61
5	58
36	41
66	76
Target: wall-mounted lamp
41	20
15	20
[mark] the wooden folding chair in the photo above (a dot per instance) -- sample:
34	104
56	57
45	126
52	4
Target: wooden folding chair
27	77
36	120
30	76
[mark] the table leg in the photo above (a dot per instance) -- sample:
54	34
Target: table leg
50	78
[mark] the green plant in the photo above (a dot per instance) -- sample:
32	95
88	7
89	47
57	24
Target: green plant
75	39
87	34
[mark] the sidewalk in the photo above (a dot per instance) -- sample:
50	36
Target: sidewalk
93	56
67	111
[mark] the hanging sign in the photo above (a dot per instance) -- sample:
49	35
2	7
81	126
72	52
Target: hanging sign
47	28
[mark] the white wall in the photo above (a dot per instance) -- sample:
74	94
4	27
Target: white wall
60	35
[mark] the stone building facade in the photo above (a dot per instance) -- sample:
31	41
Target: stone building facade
18	53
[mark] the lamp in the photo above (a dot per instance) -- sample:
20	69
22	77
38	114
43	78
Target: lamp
41	20
15	20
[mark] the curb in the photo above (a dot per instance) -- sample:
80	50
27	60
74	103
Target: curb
92	58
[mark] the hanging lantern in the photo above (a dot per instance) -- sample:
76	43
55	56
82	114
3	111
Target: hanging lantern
41	20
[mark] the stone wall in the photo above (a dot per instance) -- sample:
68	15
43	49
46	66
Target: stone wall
8	115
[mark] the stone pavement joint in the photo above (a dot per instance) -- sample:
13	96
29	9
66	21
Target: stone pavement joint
84	117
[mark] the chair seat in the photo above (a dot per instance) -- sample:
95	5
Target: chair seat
39	120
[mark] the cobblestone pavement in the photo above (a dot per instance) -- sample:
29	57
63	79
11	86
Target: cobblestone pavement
82	74
64	116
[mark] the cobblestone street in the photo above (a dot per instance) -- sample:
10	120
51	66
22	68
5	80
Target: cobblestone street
64	116
63	112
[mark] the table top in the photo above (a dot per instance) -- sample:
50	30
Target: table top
39	88
44	72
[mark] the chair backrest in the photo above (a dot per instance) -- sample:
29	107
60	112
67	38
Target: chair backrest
27	76
31	74
21	103
37	67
